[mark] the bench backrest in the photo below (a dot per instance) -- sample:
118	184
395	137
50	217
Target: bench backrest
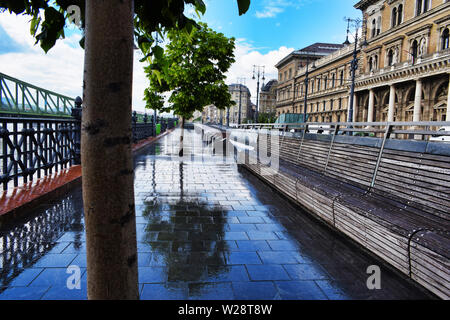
419	180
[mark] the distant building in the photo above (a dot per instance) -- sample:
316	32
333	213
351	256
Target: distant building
241	95
288	69
268	97
403	68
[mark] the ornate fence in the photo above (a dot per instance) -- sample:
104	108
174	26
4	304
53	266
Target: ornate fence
34	147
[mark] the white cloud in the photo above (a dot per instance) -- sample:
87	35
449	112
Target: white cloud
61	69
269	12
271	8
246	56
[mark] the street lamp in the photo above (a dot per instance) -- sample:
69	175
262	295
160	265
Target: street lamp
306	87
257	73
354	64
241	82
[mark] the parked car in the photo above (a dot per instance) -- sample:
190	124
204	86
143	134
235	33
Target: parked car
320	129
441	138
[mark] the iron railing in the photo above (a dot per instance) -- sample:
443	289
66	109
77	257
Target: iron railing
426	130
34	147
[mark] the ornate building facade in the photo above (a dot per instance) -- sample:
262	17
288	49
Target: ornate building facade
404	71
403	68
268	97
288	70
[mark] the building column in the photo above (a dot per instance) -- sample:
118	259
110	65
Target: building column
371	105
391	109
418	101
355	108
447	117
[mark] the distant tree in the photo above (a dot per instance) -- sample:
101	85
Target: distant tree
193	69
267	117
111	28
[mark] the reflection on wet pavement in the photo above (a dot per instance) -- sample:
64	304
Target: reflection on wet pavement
206	230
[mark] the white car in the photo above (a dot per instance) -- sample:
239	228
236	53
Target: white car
441	138
320	129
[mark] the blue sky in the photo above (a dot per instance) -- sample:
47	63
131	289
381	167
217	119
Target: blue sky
270	24
269	31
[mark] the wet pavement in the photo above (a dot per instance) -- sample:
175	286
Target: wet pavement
206	230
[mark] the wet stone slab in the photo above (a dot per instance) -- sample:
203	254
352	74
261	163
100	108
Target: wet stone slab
205	230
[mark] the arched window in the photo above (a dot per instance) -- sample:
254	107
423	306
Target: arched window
390	57
375	64
418	7
370	64
378	25
400	14
414	50
445	39
426	4
394	17
374	28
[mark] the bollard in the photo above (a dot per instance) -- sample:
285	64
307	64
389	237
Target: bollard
158	128
77	112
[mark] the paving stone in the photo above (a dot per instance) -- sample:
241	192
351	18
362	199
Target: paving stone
23	293
300	290
267	272
211	291
152	274
255	291
253	245
167	291
242	258
223	273
55	261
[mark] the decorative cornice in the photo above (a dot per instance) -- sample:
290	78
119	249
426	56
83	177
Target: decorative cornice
372	49
430	67
444	19
420	29
399	38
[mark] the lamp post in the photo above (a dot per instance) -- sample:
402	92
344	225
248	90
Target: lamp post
257	73
241	82
354	66
306	88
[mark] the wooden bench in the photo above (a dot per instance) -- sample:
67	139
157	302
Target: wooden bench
399	210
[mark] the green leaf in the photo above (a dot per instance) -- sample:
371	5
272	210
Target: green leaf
243	6
158	52
35	22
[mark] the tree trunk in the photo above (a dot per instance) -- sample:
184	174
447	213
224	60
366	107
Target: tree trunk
107	164
181	152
